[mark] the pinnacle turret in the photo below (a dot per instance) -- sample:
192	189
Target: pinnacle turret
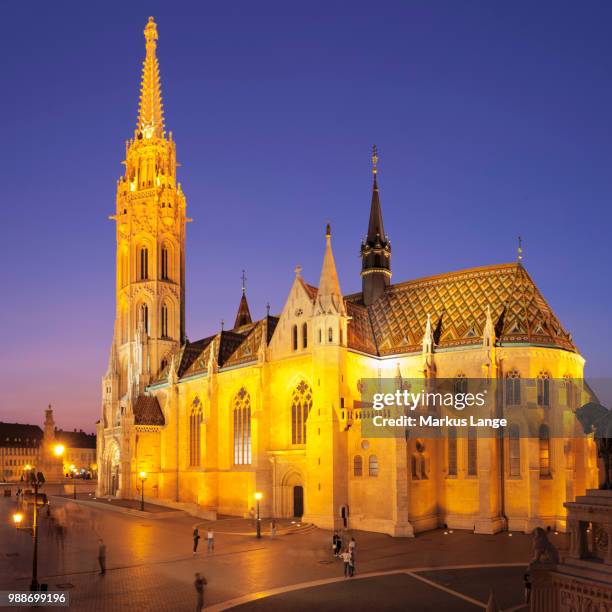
329	295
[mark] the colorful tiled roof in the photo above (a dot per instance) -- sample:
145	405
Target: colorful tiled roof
147	411
457	303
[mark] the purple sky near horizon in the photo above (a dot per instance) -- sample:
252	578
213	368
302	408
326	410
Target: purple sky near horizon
491	121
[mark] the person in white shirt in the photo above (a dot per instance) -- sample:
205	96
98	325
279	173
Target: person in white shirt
210	540
346	558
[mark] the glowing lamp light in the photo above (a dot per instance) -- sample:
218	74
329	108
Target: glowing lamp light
143	475
27	466
72	467
17	518
258	495
58	450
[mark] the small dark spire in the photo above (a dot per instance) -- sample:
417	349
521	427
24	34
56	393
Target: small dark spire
519	251
243	316
328	230
222	324
268	309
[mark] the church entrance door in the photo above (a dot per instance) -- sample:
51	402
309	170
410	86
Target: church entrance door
298	501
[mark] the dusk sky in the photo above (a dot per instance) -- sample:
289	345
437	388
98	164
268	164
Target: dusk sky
491	121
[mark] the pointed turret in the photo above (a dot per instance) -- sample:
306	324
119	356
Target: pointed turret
329	297
376	248
243	316
150	110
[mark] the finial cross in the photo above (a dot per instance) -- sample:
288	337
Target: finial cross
244	280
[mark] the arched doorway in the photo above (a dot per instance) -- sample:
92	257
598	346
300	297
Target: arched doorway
289	494
298	501
112	475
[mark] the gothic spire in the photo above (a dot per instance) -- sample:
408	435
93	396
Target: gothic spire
150	110
376	248
329	295
243	316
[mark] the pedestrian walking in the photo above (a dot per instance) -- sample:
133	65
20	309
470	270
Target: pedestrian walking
102	556
210	540
196	540
527	591
352	546
273	528
346	559
338	545
200	583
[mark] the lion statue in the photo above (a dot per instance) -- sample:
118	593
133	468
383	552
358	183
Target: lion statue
542	547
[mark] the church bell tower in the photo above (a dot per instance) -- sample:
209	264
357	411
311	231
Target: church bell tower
150	232
376	248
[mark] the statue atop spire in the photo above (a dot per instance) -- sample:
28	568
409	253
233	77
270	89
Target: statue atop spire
150	110
519	250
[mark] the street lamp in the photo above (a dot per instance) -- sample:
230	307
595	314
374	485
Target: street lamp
58	450
258	496
143	477
37	480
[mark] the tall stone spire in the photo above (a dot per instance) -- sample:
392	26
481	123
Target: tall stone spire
150	110
376	248
329	295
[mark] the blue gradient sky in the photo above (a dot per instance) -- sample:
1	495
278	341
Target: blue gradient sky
491	121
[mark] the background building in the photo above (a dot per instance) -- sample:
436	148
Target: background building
276	405
28	446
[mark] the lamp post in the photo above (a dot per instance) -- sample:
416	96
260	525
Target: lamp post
37	480
258	497
73	472
143	477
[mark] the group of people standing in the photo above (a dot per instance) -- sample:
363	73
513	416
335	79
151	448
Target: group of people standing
345	552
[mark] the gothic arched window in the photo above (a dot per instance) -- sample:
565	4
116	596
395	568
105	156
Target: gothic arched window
195	423
330	335
543	384
294	337
301	404
544	435
357	466
514	451
452	451
144	263
164	263
305	335
242	427
513	388
144	317
373	465
472	452
164	321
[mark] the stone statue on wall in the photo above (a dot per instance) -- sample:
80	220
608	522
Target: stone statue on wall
543	550
597	419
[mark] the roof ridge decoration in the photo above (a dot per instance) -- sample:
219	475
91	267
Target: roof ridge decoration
150	110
